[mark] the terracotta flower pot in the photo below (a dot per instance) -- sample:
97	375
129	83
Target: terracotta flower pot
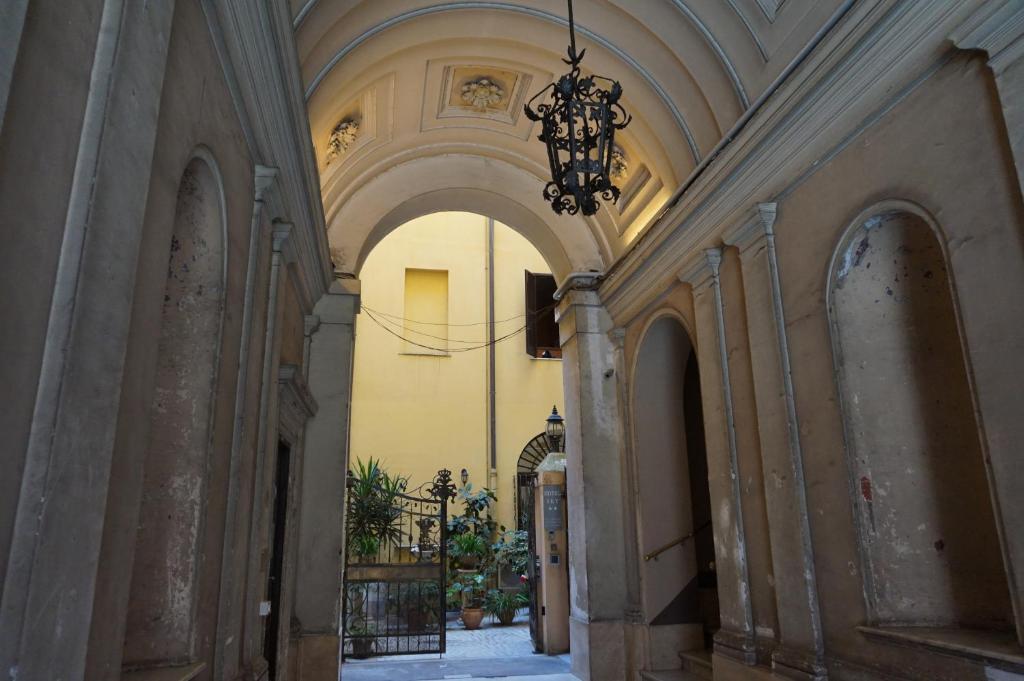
472	617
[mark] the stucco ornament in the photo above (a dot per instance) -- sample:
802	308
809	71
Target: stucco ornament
342	138
482	93
619	165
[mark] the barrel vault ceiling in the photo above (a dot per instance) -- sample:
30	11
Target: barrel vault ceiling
416	105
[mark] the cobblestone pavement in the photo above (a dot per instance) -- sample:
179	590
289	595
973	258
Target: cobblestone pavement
492	652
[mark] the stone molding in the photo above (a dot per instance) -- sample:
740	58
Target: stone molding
872	54
296	403
996	28
256	48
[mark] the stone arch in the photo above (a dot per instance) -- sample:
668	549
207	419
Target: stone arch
673	494
928	536
165	571
461	183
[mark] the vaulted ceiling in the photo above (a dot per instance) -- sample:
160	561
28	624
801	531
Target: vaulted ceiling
416	105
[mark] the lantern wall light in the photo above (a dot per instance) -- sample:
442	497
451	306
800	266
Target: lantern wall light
579	116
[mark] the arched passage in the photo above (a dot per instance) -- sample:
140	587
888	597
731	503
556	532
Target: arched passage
165	572
679	593
929	539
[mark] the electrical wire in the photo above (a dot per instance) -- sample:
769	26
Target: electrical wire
482	343
413	321
442	350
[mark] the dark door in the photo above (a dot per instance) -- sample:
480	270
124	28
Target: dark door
273	627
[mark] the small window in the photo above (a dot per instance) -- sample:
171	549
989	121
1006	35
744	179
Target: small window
541	329
426	312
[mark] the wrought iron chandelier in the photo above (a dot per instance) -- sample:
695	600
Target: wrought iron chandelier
578	120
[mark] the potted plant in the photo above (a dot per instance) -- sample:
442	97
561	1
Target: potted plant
473	595
361	634
468	549
503	604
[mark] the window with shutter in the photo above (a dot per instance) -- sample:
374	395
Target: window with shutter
541	329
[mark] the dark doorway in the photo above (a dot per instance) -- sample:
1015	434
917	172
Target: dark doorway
700	500
273	628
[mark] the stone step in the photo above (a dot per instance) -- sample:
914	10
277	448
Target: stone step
669	675
697	662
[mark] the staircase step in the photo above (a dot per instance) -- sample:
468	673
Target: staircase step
670	675
697	662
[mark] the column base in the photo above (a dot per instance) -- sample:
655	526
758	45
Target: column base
317	657
736	646
597	649
797	664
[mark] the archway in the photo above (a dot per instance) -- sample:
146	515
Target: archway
442	356
678	585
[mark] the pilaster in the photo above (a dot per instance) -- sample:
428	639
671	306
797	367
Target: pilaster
321	517
47	605
594	442
736	637
800	651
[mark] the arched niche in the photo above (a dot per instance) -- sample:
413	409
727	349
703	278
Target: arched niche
678	587
929	541
165	570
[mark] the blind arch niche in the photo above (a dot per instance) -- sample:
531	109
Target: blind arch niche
928	536
165	572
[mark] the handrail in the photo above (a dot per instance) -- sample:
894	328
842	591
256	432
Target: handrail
653	555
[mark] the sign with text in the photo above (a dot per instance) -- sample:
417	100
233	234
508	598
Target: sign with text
553	507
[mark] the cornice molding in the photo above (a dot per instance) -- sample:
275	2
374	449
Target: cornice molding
995	27
872	55
255	44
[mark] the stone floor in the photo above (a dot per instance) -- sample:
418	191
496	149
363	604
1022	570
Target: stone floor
492	652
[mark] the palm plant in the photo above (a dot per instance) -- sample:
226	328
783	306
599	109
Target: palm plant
374	508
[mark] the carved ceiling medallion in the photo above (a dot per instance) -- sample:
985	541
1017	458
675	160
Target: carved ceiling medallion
342	138
619	165
483	94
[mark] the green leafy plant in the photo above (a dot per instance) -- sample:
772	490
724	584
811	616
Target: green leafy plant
512	551
468	549
374	508
503	605
475	517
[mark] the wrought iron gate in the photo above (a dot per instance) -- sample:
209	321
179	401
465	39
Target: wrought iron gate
394	579
526	480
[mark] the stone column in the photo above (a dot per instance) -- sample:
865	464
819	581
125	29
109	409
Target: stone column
735	639
47	605
800	651
594	440
997	28
321	515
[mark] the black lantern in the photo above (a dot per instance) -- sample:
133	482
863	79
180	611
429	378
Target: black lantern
555	430
464	476
578	124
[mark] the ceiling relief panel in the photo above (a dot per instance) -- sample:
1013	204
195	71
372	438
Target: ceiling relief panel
479	95
363	123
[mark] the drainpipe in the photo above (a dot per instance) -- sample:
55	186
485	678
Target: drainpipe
492	396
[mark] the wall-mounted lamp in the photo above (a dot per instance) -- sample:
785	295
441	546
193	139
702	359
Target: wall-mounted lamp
555	430
464	476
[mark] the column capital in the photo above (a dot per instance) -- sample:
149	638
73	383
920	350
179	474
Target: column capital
339	305
996	28
753	232
310	323
263	179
